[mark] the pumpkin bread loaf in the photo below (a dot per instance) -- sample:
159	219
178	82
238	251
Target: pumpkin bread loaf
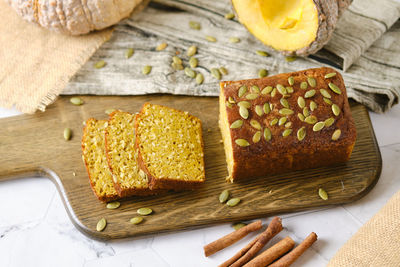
94	157
121	154
170	147
286	122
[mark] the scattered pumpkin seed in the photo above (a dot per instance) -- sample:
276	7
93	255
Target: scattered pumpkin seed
325	93
193	62
284	102
266	90
245	104
309	93
146	70
231	100
161	46
215	72
318	126
336	134
129	52
109	111
289	89
251	96
176	66
330	75
335	109
211	38
199	78
282	121
291	80
288	124
144	211
194	25
311	81
266	108
273	93
242	142
244	112
229	15
311	119
100	64
223	196
101	225
328	101
234	40
335	88
328	122
301	133
236	124
262	53
233	202
257	137
255	124
281	89
191	51
286	132
259	110
242	90
113	205
190	73
255	89
303	85
223	71
262	73
290	58
286	111
237	226
306	113
322	194
177	60
136	220
267	134
67	134
77	101
301	102
313	106
273	122
300	116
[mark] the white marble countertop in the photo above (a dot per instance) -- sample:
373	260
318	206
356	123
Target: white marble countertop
36	231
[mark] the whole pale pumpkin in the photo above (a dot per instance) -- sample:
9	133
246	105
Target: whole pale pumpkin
75	17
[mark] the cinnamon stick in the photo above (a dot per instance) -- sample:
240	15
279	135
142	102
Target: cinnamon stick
248	252
272	253
293	255
231	238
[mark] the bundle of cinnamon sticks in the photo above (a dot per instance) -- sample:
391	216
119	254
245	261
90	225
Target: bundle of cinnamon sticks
271	257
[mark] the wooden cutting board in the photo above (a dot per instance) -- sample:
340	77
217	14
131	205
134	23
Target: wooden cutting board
33	145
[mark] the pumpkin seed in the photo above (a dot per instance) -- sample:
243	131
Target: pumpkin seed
328	101
306	113
229	15
336	134
309	93
271	106
229	105
237	226
234	40
255	89
211	38
242	90
193	62
191	51
262	73
100	64
176	66
113	205
291	80
301	116
284	102
262	53
311	119
301	102
335	109
199	78
282	121
255	124
144	211
233	202
215	72
290	58
289	89
322	194
245	104
67	134
236	124
328	122
244	112
190	73
259	110
273	93
161	46
251	96
223	196
303	85
288	124
330	75
129	52
286	111
286	132
325	93
194	25
257	137
231	100
223	71
146	70
77	101
266	108
267	134
313	106
335	88
301	133
136	220
101	225
177	60
281	89
242	142
109	111
311	81
318	126
266	90
273	122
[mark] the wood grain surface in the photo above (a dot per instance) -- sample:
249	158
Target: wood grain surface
34	145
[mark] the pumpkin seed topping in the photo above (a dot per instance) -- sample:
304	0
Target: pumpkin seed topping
311	119
146	69
136	220
194	25
311	81
242	90
288	124
318	126
245	104
100	64
257	137
301	133
336	134
273	93
244	113
242	142
335	88
262	73
193	62
259	110
262	53
255	124
211	38
236	124
282	121
67	134
266	108
255	89
313	106
251	96
328	101
284	102
273	122
190	73
322	194
229	105
267	134
286	111
234	40
144	211
290	58
303	85
215	72
289	89
101	225
286	132
229	15
335	109
330	75
309	93
237	226
291	80
325	93
113	205
223	71
328	122
306	113
266	90
199	78
223	196
233	202
301	102
281	89
161	46
191	51
177	60
77	101
129	52
301	116
231	100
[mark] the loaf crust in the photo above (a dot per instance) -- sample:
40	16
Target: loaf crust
282	154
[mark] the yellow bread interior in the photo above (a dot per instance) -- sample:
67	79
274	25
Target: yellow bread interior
226	134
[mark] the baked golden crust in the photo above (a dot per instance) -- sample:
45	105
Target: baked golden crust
285	153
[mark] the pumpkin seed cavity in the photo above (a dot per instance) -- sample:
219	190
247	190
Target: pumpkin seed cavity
223	196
